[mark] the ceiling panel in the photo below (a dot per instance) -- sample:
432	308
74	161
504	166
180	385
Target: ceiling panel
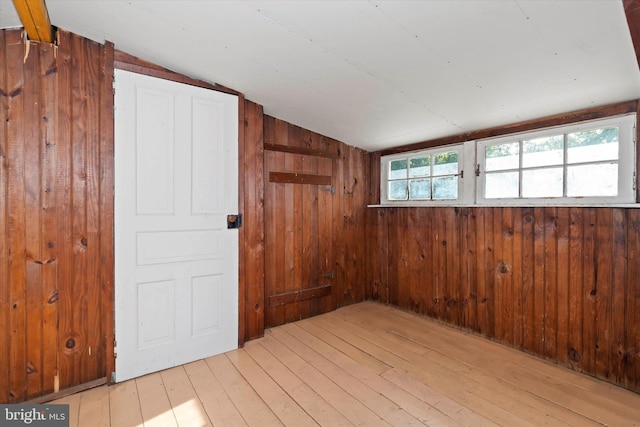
378	74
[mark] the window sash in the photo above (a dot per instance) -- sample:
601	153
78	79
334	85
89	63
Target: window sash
625	165
436	173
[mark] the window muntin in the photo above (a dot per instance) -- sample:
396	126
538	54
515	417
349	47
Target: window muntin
430	175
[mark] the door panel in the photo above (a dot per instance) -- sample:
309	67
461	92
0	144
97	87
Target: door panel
298	232
176	262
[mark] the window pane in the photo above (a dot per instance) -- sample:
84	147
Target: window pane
420	189
398	169
542	182
543	151
502	156
445	163
593	145
445	188
499	185
592	180
420	166
398	190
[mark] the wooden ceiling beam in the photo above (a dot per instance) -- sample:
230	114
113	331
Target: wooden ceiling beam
35	19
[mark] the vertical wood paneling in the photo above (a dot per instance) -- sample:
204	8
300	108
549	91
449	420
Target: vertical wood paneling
589	290
632	314
325	218
619	297
559	282
528	279
576	290
4	230
16	201
107	223
562	285
539	285
603	275
517	283
550	279
253	230
313	237
49	296
56	254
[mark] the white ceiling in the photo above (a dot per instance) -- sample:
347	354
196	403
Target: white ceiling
378	74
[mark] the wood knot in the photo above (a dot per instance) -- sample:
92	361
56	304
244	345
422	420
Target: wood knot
53	298
71	343
574	355
444	243
503	268
83	241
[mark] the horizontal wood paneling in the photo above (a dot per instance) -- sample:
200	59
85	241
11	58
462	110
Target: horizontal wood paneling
56	208
559	282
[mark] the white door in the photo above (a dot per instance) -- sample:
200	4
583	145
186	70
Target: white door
176	263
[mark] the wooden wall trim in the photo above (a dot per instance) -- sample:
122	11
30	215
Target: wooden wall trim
124	61
252	231
107	198
299	178
549	121
305	151
299	295
68	391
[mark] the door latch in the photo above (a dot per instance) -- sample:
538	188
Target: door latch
234	221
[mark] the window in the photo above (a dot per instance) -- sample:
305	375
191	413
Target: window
429	175
591	162
586	163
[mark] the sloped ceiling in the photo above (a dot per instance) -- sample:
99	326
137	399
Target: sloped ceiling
379	74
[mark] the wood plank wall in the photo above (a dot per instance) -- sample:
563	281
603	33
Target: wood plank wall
309	232
56	207
562	283
559	282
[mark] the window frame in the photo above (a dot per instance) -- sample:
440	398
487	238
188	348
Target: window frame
462	151
626	164
471	178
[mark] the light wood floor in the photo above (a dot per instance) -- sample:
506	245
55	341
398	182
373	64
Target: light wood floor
366	364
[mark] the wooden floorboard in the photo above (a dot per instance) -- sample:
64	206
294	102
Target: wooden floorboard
366	364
